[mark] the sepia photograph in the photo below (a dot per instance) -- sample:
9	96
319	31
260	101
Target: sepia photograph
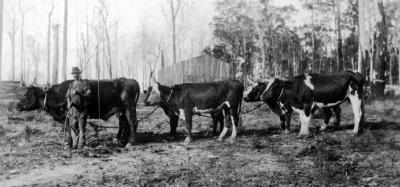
199	93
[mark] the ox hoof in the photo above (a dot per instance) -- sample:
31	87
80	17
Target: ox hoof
129	145
115	141
220	139
303	135
188	140
169	138
231	140
286	131
354	133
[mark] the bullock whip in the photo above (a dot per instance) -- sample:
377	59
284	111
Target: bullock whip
65	126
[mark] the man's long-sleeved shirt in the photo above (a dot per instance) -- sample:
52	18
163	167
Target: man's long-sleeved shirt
82	89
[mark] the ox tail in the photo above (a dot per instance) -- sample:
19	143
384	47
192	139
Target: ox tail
137	96
240	107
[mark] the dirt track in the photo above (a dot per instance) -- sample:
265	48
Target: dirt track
31	153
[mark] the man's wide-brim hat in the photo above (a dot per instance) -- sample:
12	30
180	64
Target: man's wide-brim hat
76	70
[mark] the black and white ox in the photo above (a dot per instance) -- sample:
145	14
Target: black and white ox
186	100
307	92
256	89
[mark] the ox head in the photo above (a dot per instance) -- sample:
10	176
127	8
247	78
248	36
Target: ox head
31	99
152	95
273	90
254	91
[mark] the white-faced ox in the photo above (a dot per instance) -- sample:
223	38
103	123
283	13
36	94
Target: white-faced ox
174	117
307	92
186	100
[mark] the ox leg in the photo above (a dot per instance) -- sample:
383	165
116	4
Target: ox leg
132	120
282	118
327	117
305	119
123	130
221	119
225	114
235	121
337	111
95	128
215	119
173	124
120	121
186	115
288	117
356	104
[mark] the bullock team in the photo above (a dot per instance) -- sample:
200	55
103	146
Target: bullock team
73	101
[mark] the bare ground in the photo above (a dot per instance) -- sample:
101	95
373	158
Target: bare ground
31	153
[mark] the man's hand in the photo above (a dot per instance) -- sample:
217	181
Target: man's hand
77	93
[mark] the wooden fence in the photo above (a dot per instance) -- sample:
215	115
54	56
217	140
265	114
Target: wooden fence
199	69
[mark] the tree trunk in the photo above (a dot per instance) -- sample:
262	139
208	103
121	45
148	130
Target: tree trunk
1	36
361	26
22	49
116	51
49	44
56	54
390	69
310	68
261	39
381	55
339	40
11	34
173	19
144	54
87	64
108	52
65	42
162	59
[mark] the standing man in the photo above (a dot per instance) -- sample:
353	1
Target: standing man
78	96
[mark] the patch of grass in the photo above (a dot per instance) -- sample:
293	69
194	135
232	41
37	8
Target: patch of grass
364	143
256	143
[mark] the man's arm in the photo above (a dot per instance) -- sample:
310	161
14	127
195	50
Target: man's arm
86	90
67	95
